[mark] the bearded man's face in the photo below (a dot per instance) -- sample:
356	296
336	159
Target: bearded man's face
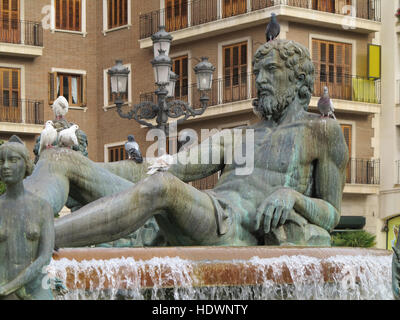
274	89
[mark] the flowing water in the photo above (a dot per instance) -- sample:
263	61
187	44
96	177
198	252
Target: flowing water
351	278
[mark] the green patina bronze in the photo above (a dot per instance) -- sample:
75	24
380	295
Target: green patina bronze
26	229
291	197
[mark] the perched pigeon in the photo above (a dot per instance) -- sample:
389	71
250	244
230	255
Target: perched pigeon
160	164
273	28
132	149
67	137
48	136
60	107
325	105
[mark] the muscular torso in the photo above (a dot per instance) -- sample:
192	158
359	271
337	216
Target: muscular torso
284	156
20	230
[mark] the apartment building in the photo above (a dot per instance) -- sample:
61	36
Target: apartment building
65	47
390	122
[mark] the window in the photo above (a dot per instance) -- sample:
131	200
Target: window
68	14
235	72
116	153
117	13
180	67
332	61
333	6
176	12
71	86
10	84
347	133
234	7
9	21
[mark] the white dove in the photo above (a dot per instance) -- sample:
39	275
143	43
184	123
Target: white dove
48	136
160	164
67	137
60	107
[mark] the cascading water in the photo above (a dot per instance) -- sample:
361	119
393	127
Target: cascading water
295	277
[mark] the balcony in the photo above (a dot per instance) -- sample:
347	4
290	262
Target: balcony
21	38
362	177
197	13
234	94
21	115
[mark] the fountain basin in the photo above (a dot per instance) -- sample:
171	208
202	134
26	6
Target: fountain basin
344	270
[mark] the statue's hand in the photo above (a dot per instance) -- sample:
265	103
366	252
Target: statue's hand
274	210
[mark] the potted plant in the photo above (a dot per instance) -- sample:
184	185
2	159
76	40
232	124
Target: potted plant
398	15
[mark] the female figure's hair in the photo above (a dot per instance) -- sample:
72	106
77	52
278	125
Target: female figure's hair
20	148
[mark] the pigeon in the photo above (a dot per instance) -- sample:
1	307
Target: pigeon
60	107
325	105
160	164
132	149
48	136
273	28
67	137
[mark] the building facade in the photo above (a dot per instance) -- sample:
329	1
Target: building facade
65	47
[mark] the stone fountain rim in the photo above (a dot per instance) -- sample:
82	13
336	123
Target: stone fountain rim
212	253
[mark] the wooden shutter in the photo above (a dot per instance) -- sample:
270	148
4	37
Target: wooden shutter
117	153
117	13
234	7
332	61
235	72
10	30
180	67
176	14
68	14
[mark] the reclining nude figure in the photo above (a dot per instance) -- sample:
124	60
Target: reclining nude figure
292	197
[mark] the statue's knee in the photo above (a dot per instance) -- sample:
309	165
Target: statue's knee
156	185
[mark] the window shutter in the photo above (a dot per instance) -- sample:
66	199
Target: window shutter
347	135
52	87
84	90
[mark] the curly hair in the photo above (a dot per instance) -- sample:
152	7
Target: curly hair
298	61
23	152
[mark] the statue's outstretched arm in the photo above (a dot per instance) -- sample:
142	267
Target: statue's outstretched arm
46	245
201	160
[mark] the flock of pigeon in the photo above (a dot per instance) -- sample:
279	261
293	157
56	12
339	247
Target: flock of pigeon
67	137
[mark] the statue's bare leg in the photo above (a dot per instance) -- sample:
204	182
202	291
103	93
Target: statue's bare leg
187	211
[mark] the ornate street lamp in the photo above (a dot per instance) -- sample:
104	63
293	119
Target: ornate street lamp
165	80
119	81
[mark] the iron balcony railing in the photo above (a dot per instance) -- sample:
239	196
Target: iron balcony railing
241	87
21	111
363	171
197	12
359	171
21	32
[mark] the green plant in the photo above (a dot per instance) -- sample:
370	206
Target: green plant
359	239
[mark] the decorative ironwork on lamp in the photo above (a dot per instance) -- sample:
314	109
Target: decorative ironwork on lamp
165	80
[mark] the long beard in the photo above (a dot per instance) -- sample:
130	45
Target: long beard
273	103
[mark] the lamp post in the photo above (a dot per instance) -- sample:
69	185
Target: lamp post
165	80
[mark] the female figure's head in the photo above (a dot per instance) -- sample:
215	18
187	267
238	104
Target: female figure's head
15	163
